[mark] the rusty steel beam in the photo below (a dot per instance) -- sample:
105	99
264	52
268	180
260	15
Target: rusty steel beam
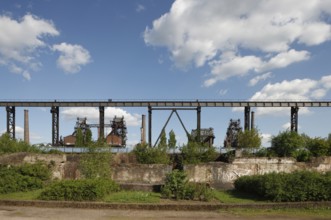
165	103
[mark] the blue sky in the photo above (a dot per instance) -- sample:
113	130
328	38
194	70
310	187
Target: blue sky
183	49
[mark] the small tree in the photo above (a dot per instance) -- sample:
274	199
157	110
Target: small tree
249	139
163	140
172	142
79	138
286	143
88	139
318	147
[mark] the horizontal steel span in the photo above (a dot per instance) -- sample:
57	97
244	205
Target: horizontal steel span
167	103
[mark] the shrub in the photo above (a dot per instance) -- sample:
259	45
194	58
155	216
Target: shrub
23	178
151	155
177	187
79	190
9	145
287	187
194	153
286	143
95	163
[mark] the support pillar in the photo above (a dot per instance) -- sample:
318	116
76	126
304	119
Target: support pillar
294	118
150	126
11	121
55	125
101	122
247	117
26	127
199	123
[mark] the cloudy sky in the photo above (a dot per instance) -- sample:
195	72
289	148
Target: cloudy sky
181	49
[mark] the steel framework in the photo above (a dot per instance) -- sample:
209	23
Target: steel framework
55	125
11	121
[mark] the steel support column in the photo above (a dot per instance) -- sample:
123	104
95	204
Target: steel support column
199	123
55	125
11	121
150	126
247	117
294	118
101	122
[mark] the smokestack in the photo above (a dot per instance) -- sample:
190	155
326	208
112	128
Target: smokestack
26	127
143	129
252	121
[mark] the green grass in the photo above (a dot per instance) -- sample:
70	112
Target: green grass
31	195
132	197
308	213
232	196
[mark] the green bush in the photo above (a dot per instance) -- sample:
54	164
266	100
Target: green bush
151	155
79	190
287	187
9	145
177	187
23	178
194	153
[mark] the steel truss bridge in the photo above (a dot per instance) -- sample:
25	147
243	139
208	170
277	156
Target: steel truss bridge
54	106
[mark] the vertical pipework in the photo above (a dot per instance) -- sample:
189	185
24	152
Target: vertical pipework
247	117
252	121
26	127
143	129
150	126
101	122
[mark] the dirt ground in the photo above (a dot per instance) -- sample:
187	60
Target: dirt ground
25	213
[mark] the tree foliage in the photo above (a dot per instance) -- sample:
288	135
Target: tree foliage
79	138
9	145
249	139
177	187
96	162
151	155
163	140
288	187
172	142
194	153
286	143
318	146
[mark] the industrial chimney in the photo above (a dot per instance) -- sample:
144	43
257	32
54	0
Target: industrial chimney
252	121
143	129
26	127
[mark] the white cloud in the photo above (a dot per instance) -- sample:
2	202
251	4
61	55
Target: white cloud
297	89
72	57
201	32
266	138
140	8
21	41
259	78
284	59
92	115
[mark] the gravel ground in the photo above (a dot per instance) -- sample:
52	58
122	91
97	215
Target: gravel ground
25	213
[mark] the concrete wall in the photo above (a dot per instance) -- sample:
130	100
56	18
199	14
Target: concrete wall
223	175
217	174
